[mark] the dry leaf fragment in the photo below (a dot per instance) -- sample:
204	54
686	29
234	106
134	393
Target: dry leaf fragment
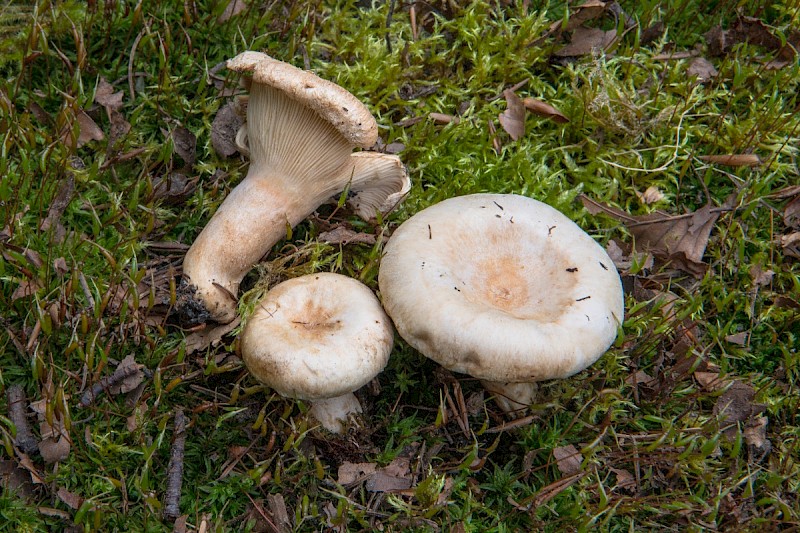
625	480
711	381
651	195
353	472
441	118
133	378
513	118
791	244
233	8
343	235
72	500
55	443
89	130
761	277
586	40
791	213
755	436
568	458
26	288
14	479
702	69
185	144
543	109
224	128
679	239
736	405
106	97
392	477
740	339
210	336
732	160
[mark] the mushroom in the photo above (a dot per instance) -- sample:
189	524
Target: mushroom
300	134
504	288
318	337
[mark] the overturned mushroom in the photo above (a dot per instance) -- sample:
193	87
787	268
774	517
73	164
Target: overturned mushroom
503	288
301	131
318	337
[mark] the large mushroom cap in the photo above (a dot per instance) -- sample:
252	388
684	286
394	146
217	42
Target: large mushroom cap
501	287
333	103
317	337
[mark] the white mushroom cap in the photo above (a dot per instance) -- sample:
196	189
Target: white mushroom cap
317	336
333	103
501	287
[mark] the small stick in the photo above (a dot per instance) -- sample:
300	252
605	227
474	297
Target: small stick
175	470
105	383
17	404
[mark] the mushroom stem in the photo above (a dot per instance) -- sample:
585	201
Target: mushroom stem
513	398
334	413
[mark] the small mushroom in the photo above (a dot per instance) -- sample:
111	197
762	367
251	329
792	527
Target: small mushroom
504	288
318	337
300	134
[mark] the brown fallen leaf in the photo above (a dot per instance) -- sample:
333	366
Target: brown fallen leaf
14	479
568	459
791	213
589	10
74	501
585	40
702	69
210	336
732	160
55	444
89	130
543	109
711	381
343	235
755	436
132	379
679	239
353	472
224	128
394	476
233	8
739	339
761	277
185	144
736	405
106	97
174	188
651	195
441	118
26	288
625	480
791	244
513	118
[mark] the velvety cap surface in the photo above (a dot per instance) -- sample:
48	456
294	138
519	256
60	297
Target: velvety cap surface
317	336
501	287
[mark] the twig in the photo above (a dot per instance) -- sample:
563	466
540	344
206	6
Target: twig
172	499
389	25
109	381
17	404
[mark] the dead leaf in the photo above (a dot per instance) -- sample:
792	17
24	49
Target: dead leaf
755	436
185	144
543	109
568	458
26	288
624	258
589	10
89	130
761	277
119	127
552	490
791	213
14	479
791	244
702	69
679	239
210	336
132	380
392	477
736	405
711	381
106	97
72	500
732	160
640	377
55	444
174	188
513	118
651	195
625	480
441	118
353	472
233	8
585	40
280	513
740	339
343	235
224	128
